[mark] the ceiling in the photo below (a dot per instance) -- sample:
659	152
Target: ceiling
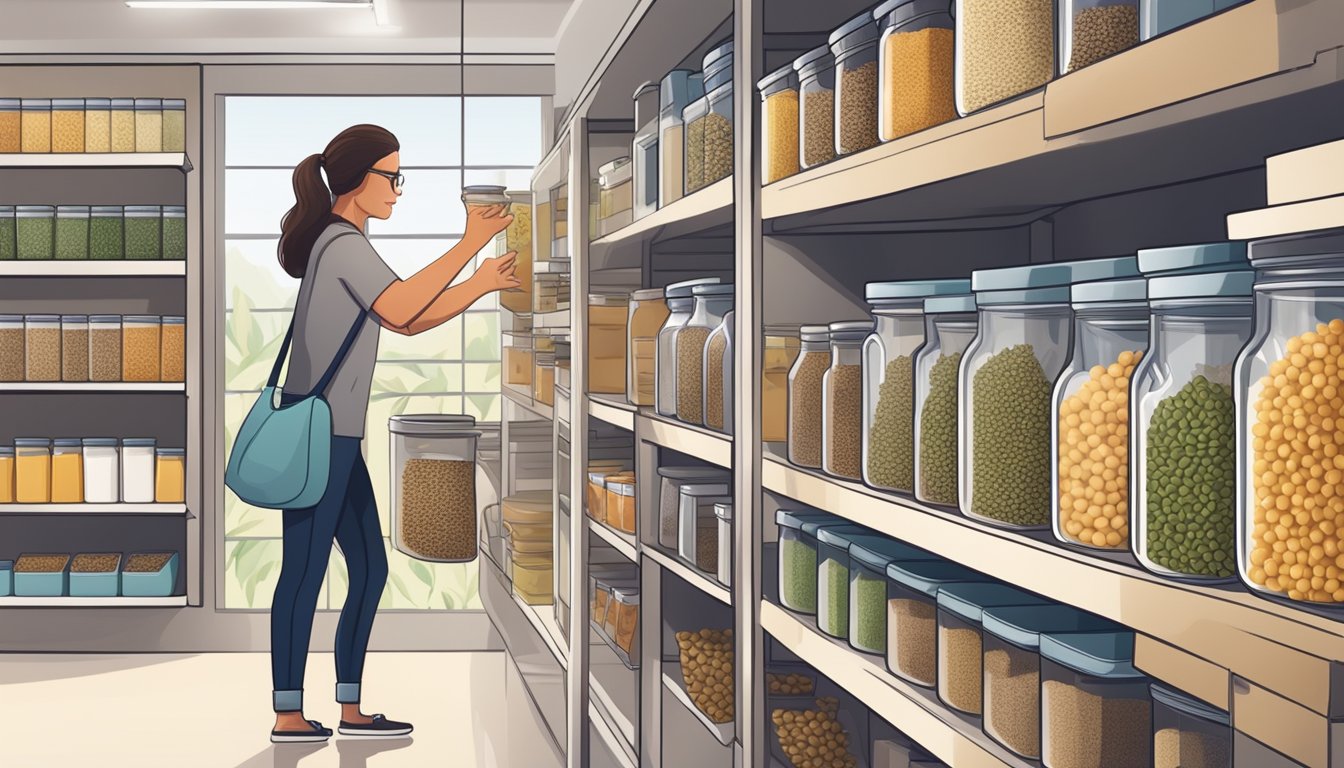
416	27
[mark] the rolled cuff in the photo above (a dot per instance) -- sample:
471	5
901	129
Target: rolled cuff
347	693
287	701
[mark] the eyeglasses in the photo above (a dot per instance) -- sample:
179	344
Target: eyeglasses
398	180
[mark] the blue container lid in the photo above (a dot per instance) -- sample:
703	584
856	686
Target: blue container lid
1178	701
1110	290
970	600
835	532
137	442
877	552
811	57
1192	258
713	289
1053	274
6	565
1100	654
927	576
1023	625
858	23
914	289
6	450
683	290
67	442
679	88
796	518
1238	284
31	442
722	50
949	305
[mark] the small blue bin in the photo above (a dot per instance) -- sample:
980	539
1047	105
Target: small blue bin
158	583
44	584
99	584
6	578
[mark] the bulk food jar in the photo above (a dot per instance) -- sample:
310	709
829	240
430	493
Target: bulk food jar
1090	414
1187	733
106	236
8	247
35	232
616	196
1158	17
72	232
709	123
6	482
11	130
949	327
137	470
42	347
36	124
679	88
644	149
680	305
961	610
718	408
805	384
915	83
779	124
816	106
1184	512
621	502
648	312
854	46
869	557
97	125
842	401
698	528
67	470
671	481
711	302
12	363
1091	30
912	615
1290	527
833	540
888	378
607	340
781	350
122	128
1004	387
74	347
67	125
32	470
1095	705
1005	48
1012	661
798	557
434	487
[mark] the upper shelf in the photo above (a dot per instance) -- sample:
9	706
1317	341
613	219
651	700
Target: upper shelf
699	442
705	209
93	268
613	409
177	160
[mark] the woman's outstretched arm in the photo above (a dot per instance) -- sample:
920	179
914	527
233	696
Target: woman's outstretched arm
494	274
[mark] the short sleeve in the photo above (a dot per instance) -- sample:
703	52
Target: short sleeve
357	267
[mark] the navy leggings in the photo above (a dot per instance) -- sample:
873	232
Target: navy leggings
347	514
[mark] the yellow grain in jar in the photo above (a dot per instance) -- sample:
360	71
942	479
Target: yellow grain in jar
149	125
67	472
122	125
140	352
97	125
173	355
781	349
170	476
6	474
174	125
10	126
36	125
32	470
67	125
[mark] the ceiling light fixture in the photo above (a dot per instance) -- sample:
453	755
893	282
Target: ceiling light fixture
249	4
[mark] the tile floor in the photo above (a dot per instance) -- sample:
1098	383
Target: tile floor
208	711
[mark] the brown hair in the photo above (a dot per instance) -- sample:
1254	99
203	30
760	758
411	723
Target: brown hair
347	160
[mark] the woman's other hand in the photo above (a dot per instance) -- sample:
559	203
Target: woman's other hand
497	274
486	221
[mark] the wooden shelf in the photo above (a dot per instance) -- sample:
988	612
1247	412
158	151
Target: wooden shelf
93	268
93	509
177	601
524	399
1287	219
706	445
696	212
1276	646
97	160
955	740
722	732
622	542
94	387
613	409
690	575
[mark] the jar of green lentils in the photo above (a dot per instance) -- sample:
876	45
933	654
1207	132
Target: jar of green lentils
72	232
869	557
35	232
8	248
949	327
798	558
175	232
833	576
105	233
144	238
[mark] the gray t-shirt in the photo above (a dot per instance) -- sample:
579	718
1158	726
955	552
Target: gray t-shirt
345	276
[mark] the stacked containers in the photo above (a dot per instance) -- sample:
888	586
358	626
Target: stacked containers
912	615
961	610
644	149
724	513
949	327
854	45
816	107
869	558
888	379
1091	30
798	558
712	301
779	124
672	479
680	304
833	539
1095	705
718	405
1187	733
709	123
679	88
648	312
1090	415
1184	513
842	401
1005	48
918	47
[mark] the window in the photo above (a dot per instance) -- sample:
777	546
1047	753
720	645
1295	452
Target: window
452	369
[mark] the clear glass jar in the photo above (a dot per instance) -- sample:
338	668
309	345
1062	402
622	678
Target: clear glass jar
816	107
616	196
1286	541
149	125
32	470
869	556
1161	16
1089	685
72	232
709	124
1091	30
6	489
912	615
104	347
648	312
949	327
780	352
141	356
798	558
644	150
671	481
42	347
842	401
1003	51
607	342
12	362
175	233
11	126
680	305
173	349
724	572
434	487
35	232
833	541
854	45
779	124
122	129
143	232
170	475
961	609
174	125
67	125
711	302
1185	516
918	48
805	387
698	528
67	471
1089	416
74	348
621	501
106	233
484	195
718	407
626	636
102	470
679	88
8	246
36	125
97	125
137	470
1187	733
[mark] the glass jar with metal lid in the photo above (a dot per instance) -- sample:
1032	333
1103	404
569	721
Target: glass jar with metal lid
712	301
680	305
433	467
779	124
678	90
1187	732
805	398
718	406
648	313
149	125
816	106
842	401
854	45
915	84
949	327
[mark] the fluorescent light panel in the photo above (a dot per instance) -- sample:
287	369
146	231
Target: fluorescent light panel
248	4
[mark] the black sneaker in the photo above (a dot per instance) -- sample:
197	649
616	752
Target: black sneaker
380	728
318	733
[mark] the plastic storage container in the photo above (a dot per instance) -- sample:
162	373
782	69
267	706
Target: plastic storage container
1187	733
95	575
102	470
1004	387
72	232
150	574
35	232
961	638
623	617
106	235
67	471
173	349
1091	30
869	557
175	233
170	475
724	571
616	198
543	378
680	305
6	578
805	398
778	356
1096	709
889	380
97	125
74	348
1158	17
607	342
42	347
533	577
1005	48
137	470
433	466
798	558
105	347
854	45
621	502
143	232
8	246
141	348
916	55
678	90
149	125
67	125
949	327
11	126
912	615
833	539
816	106
518	358
644	150
596	494
697	527
779	124
12	362
36	122
718	405
6	474
648	313
42	576
842	401
711	302
1012	677
1090	414
174	125
122	129
671	480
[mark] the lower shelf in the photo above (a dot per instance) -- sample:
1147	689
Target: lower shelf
176	601
723	732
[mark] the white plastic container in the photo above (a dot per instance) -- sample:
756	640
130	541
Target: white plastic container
137	470
102	471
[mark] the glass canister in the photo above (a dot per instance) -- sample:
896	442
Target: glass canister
97	125
805	387
143	231
175	232
102	470
780	351
8	246
888	378
67	471
698	528
671	480
842	401
644	149
106	238
137	470
42	347
1004	49
174	125
833	539
1089	417
149	125
141	339
104	347
680	305
607	342
72	232
711	302
797	558
12	362
67	125
718	120
915	80
1091	30
1004	387
1089	685
648	312
816	106
678	89
854	46
1184	512
1157	17
949	327
1289	530
170	475
961	610
779	124
869	557
35	232
718	408
74	348
1188	733
36	124
912	615
434	487
122	129
11	126
32	470
616	196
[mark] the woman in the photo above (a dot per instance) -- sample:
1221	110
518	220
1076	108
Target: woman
347	296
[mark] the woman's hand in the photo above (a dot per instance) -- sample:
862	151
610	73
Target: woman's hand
486	221
497	274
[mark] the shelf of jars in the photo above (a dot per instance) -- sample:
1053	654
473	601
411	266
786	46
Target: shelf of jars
612	409
701	581
177	601
698	211
97	160
93	268
95	387
704	444
93	509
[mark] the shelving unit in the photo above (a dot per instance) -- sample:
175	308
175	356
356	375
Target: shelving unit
93	509
94	387
93	269
704	444
177	160
179	601
613	410
620	541
722	732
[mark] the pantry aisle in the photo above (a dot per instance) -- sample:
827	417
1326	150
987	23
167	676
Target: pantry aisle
466	710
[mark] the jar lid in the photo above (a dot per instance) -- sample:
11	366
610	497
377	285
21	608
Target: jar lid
913	289
67	104
814	333
1240	283
1182	702
149	104
9	105
97	103
647	294
123	103
904	10
11	318
679	88
74	318
713	289
627	594
812	57
683	289
949	305
42	318
7	211
174	103
1053	274
180	320
927	576
142	211
795	519
6	565
1110	291
433	425
700	490
31	442
877	552
170	451
31	211
606	169
137	442
105	211
484	194
67	442
723	50
695	474
622	487
143	319
100	442
174	211
863	23
1186	258
38	104
855	330
105	319
1102	654
837	533
786	71
608	299
1023	625
971	599
72	211
1293	249
724	511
